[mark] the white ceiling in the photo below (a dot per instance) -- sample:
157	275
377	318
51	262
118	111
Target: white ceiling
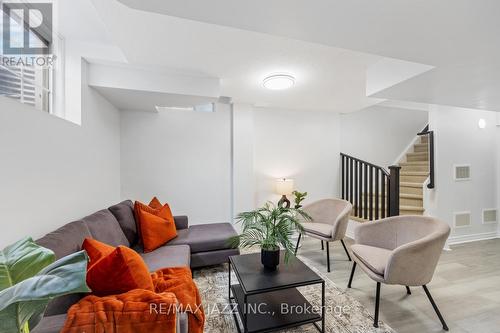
458	37
327	78
140	100
77	20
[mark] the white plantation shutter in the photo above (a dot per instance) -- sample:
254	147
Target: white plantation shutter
28	84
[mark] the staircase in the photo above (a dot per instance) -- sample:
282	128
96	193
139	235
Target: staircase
414	172
367	186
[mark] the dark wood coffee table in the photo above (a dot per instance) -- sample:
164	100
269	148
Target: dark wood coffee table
267	301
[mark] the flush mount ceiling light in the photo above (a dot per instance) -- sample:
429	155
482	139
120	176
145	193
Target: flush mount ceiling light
278	82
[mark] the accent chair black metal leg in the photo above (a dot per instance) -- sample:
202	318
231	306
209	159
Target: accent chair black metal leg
352	274
445	327
298	242
322	246
328	256
377	304
345	249
408	291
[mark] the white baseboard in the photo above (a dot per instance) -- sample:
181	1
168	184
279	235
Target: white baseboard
472	238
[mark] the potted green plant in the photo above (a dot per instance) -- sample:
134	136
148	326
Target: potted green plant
271	228
30	277
299	197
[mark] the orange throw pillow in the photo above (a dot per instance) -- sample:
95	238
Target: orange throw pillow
155	230
164	211
120	271
96	250
155	203
153	207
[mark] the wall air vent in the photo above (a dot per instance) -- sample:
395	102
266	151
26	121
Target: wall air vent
461	172
462	219
489	216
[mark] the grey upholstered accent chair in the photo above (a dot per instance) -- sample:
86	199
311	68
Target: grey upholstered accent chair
402	250
329	223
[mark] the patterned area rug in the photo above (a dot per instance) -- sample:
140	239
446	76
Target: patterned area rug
345	315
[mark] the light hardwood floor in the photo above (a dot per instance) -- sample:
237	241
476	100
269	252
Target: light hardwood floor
466	287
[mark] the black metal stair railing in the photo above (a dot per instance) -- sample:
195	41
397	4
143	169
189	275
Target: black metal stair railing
372	190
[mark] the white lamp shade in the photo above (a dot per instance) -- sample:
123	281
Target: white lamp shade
284	186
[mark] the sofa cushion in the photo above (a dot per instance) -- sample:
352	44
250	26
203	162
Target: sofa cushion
61	305
50	324
66	240
320	229
105	228
181	222
203	259
205	237
124	214
375	258
167	256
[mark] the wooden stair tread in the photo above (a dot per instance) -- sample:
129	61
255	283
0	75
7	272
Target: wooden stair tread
419	153
408	184
411	208
413	163
414	173
411	196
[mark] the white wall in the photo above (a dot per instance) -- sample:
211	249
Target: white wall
380	134
209	172
53	171
71	97
303	145
183	157
459	140
243	135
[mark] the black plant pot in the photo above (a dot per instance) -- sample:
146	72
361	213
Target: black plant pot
270	258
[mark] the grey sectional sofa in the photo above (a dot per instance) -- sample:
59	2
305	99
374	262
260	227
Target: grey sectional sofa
195	246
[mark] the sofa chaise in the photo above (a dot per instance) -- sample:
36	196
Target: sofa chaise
195	246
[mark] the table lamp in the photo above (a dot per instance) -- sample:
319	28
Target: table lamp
284	187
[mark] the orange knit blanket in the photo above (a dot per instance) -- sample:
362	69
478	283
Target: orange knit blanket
140	310
178	281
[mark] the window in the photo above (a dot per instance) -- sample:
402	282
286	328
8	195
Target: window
28	84
25	77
